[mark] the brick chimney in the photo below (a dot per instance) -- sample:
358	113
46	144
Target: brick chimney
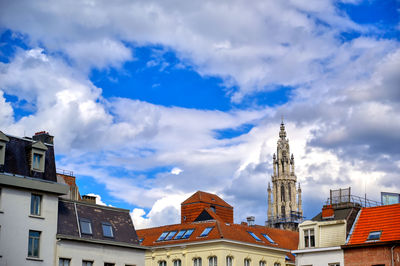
44	137
89	199
328	212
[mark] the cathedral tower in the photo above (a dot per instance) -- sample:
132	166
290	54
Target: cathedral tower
284	199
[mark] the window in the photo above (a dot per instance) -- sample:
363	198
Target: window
162	263
262	263
179	234
206	231
246	262
229	260
334	264
86	226
309	240
109	264
212	261
33	244
170	235
376	235
277	264
254	236
187	234
162	236
2	152
37	159
64	262
212	208
197	262
87	263
35	204
268	238
107	230
177	263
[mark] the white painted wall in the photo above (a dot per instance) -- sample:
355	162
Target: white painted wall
15	222
320	258
98	253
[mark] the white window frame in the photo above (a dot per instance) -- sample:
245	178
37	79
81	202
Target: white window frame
229	261
36	207
38	149
308	233
87	263
64	262
247	262
177	262
212	261
162	263
83	220
3	142
197	261
262	263
31	247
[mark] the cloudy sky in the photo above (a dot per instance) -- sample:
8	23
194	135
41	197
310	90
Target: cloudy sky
150	101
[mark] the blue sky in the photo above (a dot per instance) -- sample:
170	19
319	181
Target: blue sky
150	102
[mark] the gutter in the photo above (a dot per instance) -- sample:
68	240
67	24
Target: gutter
101	241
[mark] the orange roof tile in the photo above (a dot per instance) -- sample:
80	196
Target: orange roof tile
237	232
382	218
201	196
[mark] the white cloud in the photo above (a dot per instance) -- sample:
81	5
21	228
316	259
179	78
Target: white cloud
176	171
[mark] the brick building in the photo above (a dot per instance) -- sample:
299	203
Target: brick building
375	237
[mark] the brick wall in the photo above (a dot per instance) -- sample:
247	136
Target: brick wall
377	255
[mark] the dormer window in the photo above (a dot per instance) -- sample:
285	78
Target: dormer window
107	230
86	226
3	140
38	156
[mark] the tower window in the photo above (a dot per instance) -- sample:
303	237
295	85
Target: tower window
282	193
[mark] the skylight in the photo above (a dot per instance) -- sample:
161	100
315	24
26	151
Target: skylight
187	234
206	231
180	234
162	236
376	235
170	235
254	236
268	238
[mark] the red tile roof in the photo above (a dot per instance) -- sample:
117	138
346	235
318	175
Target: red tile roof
201	196
382	218
237	232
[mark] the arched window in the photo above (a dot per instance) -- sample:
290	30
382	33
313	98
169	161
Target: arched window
290	193
283	193
277	264
197	262
283	211
263	263
162	263
177	262
247	262
212	261
229	261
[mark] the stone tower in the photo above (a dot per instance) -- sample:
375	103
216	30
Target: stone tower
284	200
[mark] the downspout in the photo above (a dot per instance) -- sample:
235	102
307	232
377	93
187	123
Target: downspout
77	220
391	250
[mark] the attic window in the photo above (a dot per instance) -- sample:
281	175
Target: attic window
376	235
38	156
180	234
268	238
212	208
206	231
107	230
162	236
254	236
187	234
170	235
86	226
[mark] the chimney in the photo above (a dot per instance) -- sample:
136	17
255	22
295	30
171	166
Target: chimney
243	223
89	199
44	137
250	220
327	212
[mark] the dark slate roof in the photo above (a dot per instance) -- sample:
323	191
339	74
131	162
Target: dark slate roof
120	220
16	159
349	214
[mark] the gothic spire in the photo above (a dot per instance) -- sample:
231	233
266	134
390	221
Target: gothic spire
282	132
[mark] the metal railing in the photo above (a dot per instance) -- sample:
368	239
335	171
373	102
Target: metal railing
64	172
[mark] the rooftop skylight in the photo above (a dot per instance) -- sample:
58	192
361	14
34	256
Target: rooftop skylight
268	238
170	235
187	234
254	236
179	234
206	231
162	236
376	235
